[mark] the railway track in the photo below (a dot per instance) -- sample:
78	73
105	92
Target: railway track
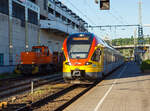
55	99
27	85
58	101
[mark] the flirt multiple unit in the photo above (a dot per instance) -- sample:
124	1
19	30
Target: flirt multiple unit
88	58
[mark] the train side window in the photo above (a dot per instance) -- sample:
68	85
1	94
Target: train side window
96	55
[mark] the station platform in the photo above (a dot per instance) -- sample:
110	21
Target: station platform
127	89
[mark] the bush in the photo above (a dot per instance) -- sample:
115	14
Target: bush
145	65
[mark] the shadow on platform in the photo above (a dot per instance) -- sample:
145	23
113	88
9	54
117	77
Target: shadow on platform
128	70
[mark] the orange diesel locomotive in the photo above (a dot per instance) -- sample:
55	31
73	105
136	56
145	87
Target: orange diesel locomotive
39	60
88	58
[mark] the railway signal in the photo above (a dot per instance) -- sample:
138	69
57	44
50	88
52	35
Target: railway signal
96	1
104	4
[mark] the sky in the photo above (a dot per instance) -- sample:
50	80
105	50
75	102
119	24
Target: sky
122	12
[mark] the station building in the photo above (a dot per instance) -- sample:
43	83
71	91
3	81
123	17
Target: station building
26	23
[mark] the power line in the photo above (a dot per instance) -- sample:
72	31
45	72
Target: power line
116	17
119	16
100	26
81	12
93	11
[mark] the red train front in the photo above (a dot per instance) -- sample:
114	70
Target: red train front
88	58
79	63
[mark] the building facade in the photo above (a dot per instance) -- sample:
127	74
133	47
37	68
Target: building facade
25	23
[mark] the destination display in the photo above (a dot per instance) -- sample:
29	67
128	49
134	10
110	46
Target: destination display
80	38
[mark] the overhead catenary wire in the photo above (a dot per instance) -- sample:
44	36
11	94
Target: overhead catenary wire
102	31
115	17
80	12
93	11
119	16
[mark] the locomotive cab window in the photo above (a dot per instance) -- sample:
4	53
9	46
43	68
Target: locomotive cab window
48	52
37	50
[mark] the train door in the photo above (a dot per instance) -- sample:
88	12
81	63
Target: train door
98	53
101	64
105	62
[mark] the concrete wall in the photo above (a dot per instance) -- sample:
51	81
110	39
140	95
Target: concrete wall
4	40
6	69
32	35
18	36
53	40
40	3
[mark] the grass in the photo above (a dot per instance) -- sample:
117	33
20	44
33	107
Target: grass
8	75
145	65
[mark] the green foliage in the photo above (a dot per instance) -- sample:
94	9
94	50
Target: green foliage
123	41
8	75
127	41
145	65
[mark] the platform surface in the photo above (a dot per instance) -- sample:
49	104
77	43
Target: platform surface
127	89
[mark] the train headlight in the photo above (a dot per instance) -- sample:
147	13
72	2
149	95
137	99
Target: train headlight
88	63
68	63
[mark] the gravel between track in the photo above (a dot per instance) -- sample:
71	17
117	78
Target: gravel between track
53	105
23	99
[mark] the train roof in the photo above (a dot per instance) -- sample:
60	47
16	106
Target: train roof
100	40
83	33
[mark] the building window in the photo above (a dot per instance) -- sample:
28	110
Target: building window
69	21
57	15
42	17
50	10
1	59
32	17
73	24
63	18
32	1
18	11
45	4
4	7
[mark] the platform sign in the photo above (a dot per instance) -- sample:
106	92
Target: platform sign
96	1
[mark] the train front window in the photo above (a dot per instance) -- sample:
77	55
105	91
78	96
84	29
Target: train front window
78	47
79	51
